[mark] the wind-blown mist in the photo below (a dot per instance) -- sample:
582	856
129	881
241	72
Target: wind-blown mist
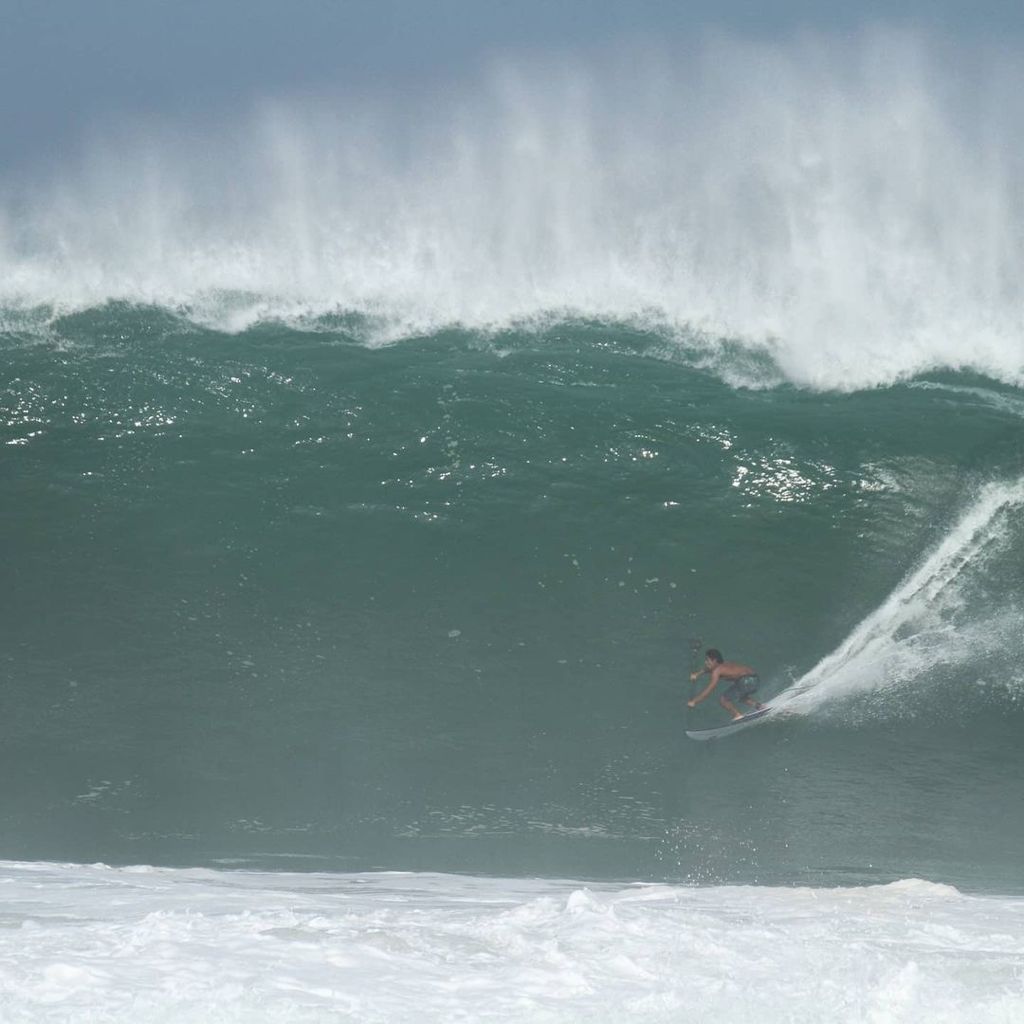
849	205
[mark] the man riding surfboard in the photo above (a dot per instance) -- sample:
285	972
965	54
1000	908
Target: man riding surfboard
744	683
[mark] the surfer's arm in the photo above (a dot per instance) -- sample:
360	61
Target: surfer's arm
707	689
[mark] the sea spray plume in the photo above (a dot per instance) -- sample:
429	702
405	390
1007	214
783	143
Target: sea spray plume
848	203
928	621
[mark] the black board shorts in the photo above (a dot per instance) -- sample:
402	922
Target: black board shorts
742	688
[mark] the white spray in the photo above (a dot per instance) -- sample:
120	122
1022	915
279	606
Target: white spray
852	205
926	621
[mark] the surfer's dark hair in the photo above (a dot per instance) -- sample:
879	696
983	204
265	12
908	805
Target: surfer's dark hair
715	655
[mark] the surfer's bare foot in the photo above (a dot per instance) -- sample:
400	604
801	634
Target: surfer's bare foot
736	718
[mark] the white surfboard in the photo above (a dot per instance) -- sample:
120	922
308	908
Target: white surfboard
727	730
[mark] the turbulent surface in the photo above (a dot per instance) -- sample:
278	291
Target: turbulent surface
150	944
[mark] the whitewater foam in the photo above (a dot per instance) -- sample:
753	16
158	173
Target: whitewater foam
848	207
146	944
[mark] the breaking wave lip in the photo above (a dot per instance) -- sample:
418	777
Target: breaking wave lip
845	205
739	362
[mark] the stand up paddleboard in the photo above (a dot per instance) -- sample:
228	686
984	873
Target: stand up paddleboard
727	730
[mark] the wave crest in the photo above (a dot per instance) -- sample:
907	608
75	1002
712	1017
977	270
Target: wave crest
849	206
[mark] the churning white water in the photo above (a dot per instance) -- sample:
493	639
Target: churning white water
144	944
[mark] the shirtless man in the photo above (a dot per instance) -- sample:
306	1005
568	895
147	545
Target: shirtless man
744	683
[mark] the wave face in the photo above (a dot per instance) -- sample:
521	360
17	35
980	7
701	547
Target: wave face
850	209
279	598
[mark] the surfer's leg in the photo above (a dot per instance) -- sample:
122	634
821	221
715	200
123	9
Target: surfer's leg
731	708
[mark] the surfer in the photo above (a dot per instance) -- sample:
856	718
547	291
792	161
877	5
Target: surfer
744	683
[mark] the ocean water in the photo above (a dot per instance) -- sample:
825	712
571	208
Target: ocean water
362	523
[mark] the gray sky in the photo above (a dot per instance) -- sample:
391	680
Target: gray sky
69	65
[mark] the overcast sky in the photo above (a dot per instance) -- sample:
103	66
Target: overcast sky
67	66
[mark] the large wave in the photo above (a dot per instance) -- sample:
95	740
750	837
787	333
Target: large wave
852	207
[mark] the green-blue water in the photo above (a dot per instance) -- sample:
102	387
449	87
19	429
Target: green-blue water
279	598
